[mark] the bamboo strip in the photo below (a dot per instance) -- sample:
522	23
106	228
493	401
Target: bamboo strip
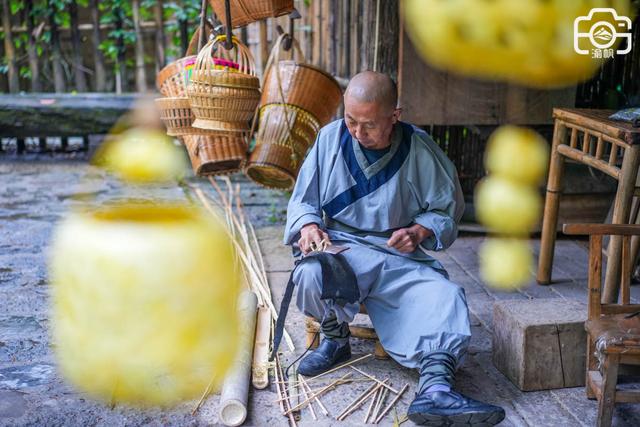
373	399
292	419
317	399
344	365
391	404
352	407
374	379
323	390
378	407
306	396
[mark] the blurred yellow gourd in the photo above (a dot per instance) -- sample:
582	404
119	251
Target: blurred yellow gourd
142	155
505	206
518	154
505	263
143	302
529	42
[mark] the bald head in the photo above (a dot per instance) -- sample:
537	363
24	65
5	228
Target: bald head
372	87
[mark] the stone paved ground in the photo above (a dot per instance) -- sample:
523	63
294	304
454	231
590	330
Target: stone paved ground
34	195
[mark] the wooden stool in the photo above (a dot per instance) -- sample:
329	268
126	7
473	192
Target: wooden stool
596	141
313	327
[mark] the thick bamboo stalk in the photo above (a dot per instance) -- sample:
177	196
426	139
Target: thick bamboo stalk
78	68
235	391
260	376
100	82
141	75
9	50
159	35
32	53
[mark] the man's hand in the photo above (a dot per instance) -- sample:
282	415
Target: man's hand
312	234
407	239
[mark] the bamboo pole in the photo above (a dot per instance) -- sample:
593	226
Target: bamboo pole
78	68
9	50
141	75
56	55
235	391
260	372
159	35
32	53
100	82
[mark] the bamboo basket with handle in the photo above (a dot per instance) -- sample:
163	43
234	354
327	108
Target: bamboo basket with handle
244	12
216	154
224	100
287	124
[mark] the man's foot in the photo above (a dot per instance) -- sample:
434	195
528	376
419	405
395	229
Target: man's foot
328	354
444	408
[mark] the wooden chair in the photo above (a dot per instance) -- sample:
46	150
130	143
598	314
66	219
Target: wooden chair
613	330
312	328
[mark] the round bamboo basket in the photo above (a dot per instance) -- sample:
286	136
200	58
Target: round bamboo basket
177	117
298	83
285	134
216	154
224	100
173	79
244	12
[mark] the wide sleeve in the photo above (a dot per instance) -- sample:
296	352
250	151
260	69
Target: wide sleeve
441	200
305	205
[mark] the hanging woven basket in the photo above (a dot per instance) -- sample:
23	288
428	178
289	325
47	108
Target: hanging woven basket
224	98
216	154
173	79
285	134
244	12
288	123
177	116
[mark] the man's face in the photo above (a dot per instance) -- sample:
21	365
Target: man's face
369	122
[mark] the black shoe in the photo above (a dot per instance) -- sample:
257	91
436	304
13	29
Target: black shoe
328	354
445	408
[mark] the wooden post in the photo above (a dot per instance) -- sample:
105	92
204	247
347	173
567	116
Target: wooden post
317	34
81	81
141	75
56	55
621	208
121	68
100	83
160	37
9	50
551	206
31	48
608	398
389	38
264	45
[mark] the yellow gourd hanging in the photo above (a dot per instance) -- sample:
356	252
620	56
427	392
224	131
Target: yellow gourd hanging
143	294
530	42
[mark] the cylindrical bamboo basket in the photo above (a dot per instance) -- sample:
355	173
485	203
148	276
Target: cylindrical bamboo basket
216	154
173	79
225	99
284	136
244	12
304	86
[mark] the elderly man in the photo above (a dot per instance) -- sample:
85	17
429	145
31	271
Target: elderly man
386	191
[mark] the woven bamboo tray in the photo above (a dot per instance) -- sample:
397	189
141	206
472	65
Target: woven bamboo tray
244	12
216	154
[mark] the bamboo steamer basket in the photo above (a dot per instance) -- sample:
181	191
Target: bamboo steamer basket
224	100
177	116
285	134
216	154
300	84
244	12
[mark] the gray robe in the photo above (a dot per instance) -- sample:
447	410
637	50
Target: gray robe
413	306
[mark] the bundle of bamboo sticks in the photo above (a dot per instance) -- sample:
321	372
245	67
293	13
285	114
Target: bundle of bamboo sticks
295	394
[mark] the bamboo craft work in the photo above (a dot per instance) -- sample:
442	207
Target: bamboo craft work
296	101
244	12
224	100
217	154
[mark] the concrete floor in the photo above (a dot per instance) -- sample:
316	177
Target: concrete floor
35	195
